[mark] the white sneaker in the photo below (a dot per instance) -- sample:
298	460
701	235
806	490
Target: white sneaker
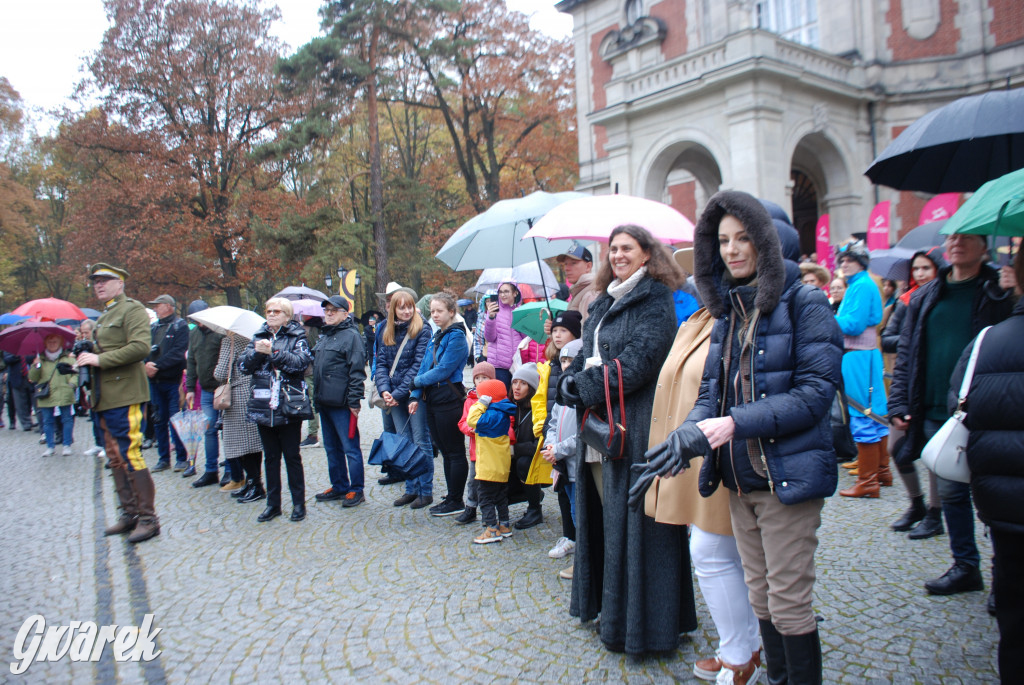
727	676
42	439
563	548
92	451
66	452
48	453
102	454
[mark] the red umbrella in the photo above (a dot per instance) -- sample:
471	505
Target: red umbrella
51	308
27	339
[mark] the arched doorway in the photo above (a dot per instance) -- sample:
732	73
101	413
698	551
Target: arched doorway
820	185
805	209
684	175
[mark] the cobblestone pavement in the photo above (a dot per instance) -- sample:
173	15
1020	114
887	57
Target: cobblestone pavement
379	594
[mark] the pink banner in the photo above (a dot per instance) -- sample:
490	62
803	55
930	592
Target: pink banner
939	208
826	257
878	227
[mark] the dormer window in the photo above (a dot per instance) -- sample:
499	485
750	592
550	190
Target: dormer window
634	11
795	20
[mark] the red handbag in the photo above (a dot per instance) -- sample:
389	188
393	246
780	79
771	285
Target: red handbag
603	433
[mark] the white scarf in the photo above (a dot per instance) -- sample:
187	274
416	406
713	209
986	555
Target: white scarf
618	288
53	356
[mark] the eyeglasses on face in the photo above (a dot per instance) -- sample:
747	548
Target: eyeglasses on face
275	311
330	310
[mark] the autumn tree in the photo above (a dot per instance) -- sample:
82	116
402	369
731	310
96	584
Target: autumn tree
505	93
189	90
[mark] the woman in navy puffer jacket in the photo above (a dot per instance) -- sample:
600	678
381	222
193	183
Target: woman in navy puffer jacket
762	421
395	389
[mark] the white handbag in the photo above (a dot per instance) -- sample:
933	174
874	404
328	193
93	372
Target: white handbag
946	453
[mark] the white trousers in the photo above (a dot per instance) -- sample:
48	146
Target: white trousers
719	570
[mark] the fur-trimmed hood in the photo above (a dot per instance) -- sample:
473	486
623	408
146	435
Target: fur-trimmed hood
709	269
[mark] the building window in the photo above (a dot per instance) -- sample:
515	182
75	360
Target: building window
634	11
795	20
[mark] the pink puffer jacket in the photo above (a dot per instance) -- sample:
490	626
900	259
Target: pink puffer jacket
501	339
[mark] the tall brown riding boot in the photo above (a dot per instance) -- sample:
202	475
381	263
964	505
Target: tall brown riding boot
884	474
128	503
148	525
867	476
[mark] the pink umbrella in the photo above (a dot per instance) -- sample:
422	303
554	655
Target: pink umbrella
308	307
29	337
594	218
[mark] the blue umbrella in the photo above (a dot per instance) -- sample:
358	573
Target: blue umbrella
8	318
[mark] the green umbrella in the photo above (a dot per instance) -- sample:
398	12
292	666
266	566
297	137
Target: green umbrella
529	318
997	208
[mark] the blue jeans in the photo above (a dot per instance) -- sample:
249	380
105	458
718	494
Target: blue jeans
344	458
67	419
164	396
97	432
398	421
212	415
958	511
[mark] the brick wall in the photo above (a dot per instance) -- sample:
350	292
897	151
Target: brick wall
683	198
600	75
1007	21
673	13
942	42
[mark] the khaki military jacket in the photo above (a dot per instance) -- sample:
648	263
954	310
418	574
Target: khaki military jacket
122	341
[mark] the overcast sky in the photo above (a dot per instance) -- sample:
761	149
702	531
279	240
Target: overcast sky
43	42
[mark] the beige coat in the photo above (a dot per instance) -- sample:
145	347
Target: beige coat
676	500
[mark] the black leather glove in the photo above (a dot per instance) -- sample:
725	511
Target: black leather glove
65	369
568	393
668	459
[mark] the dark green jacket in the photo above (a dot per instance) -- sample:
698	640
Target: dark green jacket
203	353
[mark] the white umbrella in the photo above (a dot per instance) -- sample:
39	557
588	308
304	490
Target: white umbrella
227	319
524	274
495	238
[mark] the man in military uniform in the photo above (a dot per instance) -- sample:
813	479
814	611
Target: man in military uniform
120	393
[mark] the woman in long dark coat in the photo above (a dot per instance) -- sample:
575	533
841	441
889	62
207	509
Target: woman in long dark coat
632	571
241	437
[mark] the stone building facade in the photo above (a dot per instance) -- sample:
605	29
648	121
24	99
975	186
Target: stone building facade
790	100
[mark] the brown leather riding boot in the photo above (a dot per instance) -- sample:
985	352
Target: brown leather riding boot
867	476
148	525
884	474
128	503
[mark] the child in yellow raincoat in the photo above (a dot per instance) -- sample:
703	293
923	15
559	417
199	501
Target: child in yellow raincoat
491	417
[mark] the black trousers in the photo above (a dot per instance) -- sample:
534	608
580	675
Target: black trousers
493	499
1007	571
277	442
443	421
21	400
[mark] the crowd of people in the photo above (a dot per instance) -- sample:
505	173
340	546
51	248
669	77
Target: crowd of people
687	408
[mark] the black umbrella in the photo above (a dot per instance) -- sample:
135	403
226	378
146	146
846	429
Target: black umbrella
923	237
956	148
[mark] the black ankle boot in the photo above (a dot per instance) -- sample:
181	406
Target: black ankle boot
803	658
244	490
774	654
915	513
929	527
257	493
